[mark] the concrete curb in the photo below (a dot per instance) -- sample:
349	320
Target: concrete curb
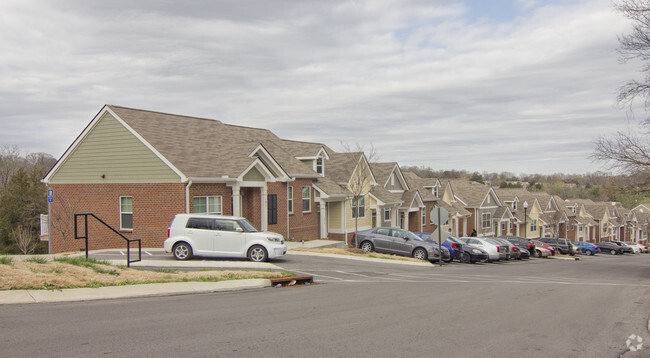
358	258
113	292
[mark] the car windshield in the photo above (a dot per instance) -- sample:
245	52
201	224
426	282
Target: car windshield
248	227
426	237
454	240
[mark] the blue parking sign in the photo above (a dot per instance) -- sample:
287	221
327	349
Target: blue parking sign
50	195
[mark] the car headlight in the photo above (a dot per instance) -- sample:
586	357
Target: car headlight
273	239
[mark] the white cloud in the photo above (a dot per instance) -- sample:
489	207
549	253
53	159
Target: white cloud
420	79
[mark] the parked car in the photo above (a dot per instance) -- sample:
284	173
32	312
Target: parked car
626	248
515	253
399	242
221	236
495	252
642	248
539	244
521	242
542	252
610	248
471	254
455	249
563	245
586	248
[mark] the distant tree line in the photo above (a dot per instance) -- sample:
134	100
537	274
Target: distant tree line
599	186
22	199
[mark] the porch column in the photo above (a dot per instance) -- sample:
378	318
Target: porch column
236	200
264	211
323	219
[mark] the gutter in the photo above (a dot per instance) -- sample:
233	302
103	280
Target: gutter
187	196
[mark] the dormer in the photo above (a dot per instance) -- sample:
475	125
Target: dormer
317	162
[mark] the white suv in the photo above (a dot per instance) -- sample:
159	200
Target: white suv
221	236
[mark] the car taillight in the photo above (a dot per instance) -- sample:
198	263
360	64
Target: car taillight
513	249
454	246
498	249
530	245
169	232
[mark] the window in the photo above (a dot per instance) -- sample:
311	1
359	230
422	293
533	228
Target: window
126	213
424	216
434	190
533	224
359	206
207	204
387	214
319	165
486	219
200	223
306	199
290	199
504	227
514	205
272	207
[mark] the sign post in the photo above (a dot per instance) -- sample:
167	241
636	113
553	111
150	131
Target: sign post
439	217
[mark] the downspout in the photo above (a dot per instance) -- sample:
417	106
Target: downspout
187	196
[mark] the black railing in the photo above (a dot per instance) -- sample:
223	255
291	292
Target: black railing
85	237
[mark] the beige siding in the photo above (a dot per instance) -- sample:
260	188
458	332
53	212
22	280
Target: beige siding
254	175
111	150
334	215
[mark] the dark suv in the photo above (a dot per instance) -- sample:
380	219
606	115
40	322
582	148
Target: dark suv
521	242
564	246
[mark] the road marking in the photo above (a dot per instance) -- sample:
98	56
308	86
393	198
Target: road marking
147	252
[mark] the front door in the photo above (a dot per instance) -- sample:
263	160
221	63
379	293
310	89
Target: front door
401	243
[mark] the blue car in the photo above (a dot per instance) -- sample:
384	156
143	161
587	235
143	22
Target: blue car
455	250
587	248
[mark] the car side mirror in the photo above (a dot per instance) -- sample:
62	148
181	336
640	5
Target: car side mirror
406	238
239	229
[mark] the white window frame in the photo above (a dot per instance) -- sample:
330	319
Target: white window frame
423	220
320	166
387	211
207	204
434	191
126	213
533	225
486	222
290	199
308	198
357	208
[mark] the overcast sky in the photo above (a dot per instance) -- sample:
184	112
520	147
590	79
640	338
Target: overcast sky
523	86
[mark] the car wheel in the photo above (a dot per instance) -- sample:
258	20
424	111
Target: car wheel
448	261
538	253
589	253
257	253
613	252
420	253
367	246
466	258
182	251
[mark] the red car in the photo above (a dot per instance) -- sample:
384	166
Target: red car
541	244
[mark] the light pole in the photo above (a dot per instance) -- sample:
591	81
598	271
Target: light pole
525	227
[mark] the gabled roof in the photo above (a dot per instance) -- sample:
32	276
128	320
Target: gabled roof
421	184
383	171
341	167
385	196
473	194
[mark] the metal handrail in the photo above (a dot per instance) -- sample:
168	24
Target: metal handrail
85	237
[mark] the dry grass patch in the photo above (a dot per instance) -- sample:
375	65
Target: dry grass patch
356	252
57	275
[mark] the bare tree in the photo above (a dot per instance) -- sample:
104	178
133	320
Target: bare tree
25	239
10	161
629	152
62	220
359	174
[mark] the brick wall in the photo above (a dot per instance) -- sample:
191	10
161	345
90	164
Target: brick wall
154	207
302	225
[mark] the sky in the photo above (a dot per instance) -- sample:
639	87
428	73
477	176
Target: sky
520	86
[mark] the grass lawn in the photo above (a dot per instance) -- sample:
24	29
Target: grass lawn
38	273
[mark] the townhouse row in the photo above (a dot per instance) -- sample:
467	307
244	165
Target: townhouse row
136	169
